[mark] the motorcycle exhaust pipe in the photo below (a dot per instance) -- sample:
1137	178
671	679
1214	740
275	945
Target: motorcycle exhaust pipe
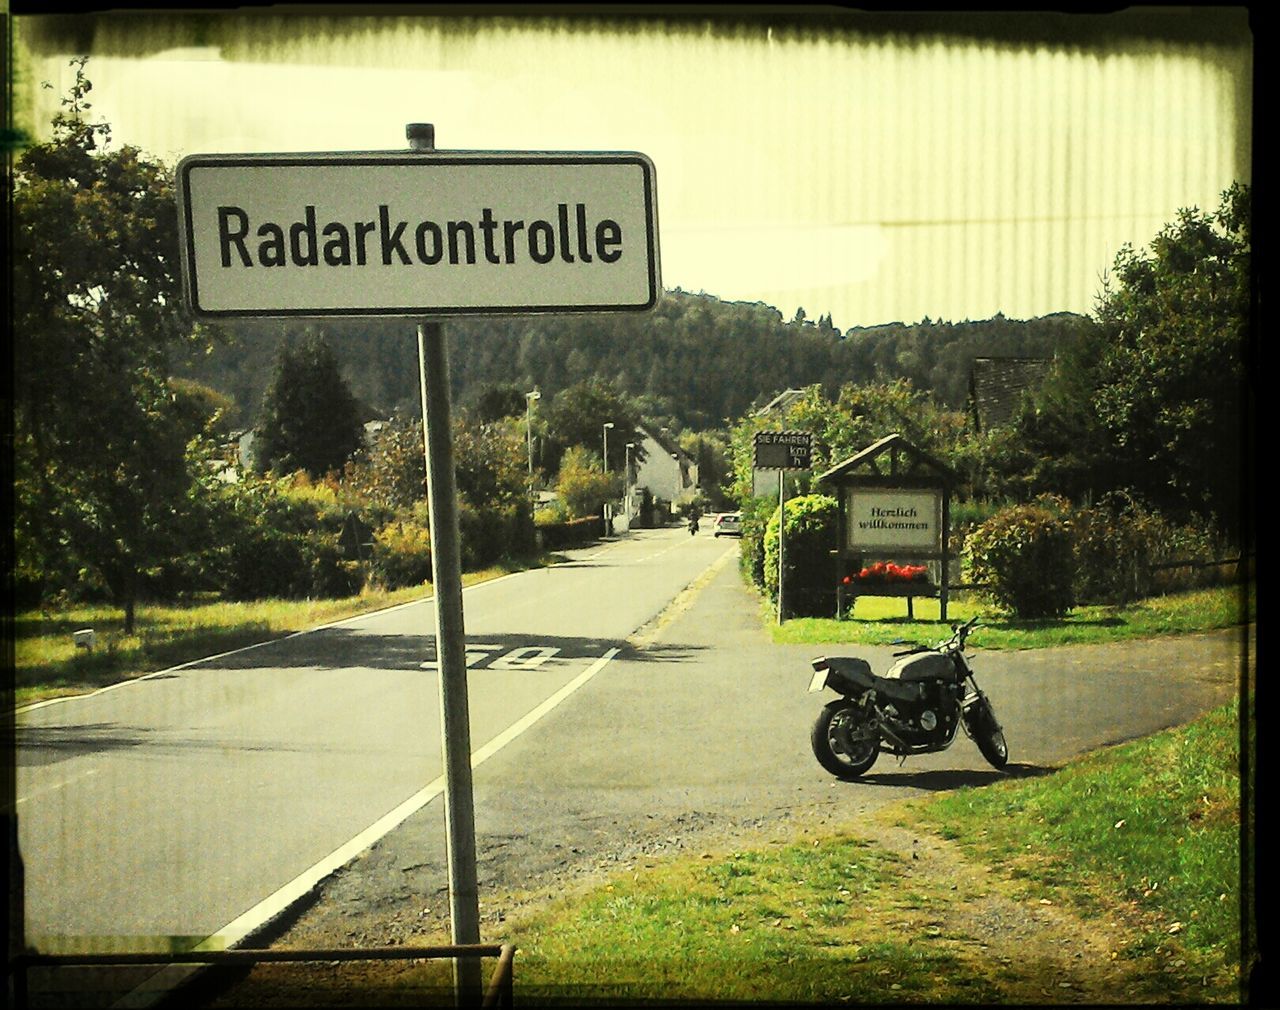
900	746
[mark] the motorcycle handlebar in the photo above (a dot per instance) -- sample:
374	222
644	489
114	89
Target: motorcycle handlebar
959	632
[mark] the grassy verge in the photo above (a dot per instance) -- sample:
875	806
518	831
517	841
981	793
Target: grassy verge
882	621
1148	832
48	665
1146	835
1135	848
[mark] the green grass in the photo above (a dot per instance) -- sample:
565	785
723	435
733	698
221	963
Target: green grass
798	923
48	665
1149	831
883	621
784	925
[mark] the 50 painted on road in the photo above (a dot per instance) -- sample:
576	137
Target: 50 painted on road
488	657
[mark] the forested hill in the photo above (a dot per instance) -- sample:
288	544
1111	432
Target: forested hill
695	358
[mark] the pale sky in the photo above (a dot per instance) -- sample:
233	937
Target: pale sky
872	176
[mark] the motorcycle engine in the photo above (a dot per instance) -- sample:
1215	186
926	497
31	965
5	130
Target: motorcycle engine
932	719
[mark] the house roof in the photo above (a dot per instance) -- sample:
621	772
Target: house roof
783	400
668	444
997	384
896	446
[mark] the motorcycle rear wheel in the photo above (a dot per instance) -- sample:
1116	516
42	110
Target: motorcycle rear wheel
988	734
843	741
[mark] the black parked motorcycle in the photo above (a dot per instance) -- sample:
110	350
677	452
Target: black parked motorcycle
915	708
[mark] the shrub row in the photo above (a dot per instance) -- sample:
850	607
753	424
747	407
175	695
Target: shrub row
1033	560
1041	559
571	533
274	542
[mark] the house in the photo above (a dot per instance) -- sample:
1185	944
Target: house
240	454
663	469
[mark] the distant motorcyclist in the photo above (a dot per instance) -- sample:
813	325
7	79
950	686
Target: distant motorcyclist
693	521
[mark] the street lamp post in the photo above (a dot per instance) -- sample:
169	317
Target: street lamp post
528	420
626	481
605	464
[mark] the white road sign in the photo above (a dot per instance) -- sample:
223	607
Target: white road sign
893	518
418	234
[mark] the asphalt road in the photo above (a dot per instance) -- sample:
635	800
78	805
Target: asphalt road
173	805
697	735
204	800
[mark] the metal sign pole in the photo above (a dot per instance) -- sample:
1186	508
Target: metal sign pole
446	574
782	534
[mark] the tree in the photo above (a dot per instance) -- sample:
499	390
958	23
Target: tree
496	402
392	474
200	409
582	486
1153	398
309	419
490	463
1171	392
577	417
103	476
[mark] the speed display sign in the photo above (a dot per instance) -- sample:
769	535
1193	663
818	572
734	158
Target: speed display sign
783	450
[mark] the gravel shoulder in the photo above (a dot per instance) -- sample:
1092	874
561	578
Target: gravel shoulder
1033	950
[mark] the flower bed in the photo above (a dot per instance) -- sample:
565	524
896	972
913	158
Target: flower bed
887	573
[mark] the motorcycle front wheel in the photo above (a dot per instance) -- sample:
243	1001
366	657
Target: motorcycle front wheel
988	734
844	741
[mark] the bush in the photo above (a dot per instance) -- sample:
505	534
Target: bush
262	562
491	533
756	513
1114	541
1199	545
1025	557
1119	540
967	516
332	575
574	533
275	539
401	555
808	572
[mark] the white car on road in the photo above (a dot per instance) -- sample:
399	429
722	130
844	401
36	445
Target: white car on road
728	524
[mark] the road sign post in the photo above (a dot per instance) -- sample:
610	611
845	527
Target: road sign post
783	451
423	234
451	637
782	535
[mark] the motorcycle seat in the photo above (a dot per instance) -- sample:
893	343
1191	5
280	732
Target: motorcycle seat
854	675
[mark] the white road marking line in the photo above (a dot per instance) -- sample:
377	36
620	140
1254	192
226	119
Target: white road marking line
256	645
271	641
162	982
56	786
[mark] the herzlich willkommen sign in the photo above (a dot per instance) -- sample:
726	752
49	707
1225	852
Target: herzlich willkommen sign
418	234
